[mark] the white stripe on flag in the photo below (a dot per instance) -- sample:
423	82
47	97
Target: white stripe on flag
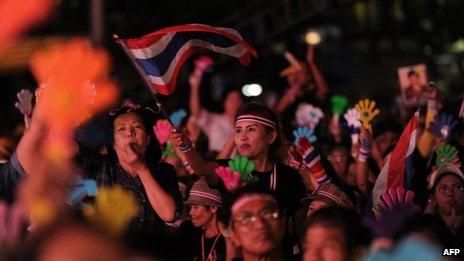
235	51
154	49
380	185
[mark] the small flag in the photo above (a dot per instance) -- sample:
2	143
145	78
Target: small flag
161	54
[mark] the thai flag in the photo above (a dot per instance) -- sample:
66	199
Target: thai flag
161	54
398	168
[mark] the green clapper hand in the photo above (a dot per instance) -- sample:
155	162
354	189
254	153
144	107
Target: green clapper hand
446	154
243	166
339	104
367	112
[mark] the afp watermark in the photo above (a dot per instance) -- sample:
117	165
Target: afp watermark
451	252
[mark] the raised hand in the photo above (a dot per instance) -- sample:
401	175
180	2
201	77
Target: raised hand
114	208
177	116
392	214
352	120
308	115
442	126
243	166
230	178
162	129
24	105
367	112
312	159
201	63
447	154
304	132
339	103
395	197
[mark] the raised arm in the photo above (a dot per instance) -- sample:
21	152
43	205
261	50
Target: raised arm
201	167
321	85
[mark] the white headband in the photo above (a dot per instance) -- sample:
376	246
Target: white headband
247	198
258	119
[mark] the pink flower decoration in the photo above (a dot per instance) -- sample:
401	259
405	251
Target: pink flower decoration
230	178
162	129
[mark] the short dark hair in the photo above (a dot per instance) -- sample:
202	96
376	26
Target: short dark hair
153	152
345	220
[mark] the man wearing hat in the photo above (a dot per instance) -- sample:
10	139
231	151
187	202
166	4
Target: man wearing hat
204	203
447	196
328	194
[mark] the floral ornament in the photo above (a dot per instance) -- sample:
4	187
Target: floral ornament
83	188
162	130
367	112
243	166
114	208
354	125
304	132
177	116
339	103
443	125
308	115
232	179
447	154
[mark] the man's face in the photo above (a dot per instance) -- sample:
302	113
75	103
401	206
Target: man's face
324	243
258	227
129	131
339	160
201	215
449	195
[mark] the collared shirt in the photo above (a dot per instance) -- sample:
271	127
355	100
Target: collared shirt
107	171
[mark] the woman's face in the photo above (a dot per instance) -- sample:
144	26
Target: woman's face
129	131
253	139
201	215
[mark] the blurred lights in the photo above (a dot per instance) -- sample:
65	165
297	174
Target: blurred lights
313	37
252	90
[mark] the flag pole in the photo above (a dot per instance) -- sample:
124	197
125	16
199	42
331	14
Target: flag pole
144	77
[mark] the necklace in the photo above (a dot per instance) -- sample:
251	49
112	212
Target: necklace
212	247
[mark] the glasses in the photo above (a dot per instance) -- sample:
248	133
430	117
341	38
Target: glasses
450	189
266	215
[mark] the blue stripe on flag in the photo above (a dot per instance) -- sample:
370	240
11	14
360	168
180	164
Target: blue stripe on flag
158	65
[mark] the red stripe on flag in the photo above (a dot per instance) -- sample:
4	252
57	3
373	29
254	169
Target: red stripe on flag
147	40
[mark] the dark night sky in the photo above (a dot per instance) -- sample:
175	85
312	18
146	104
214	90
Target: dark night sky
375	37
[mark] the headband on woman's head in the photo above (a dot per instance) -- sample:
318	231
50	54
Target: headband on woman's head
258	119
238	204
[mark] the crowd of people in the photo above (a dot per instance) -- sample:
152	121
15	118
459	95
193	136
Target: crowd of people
306	178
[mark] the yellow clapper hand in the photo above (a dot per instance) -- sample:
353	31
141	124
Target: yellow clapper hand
367	112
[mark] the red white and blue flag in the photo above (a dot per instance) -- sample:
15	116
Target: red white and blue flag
398	168
161	54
